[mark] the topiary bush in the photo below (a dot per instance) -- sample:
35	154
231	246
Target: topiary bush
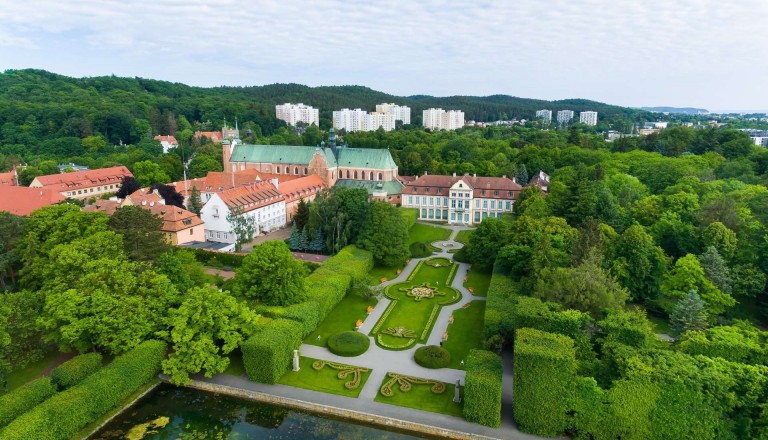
432	356
76	369
482	388
24	398
267	354
66	413
348	344
419	250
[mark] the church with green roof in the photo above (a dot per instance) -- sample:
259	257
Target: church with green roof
372	169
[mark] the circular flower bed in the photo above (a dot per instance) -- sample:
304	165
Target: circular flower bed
348	344
432	356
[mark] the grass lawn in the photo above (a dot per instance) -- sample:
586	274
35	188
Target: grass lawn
660	325
342	318
421	397
379	272
421	233
236	366
465	333
416	316
478	281
325	380
463	236
31	371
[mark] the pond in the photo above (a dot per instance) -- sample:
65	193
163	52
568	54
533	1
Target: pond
169	412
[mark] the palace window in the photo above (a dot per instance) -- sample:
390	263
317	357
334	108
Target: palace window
296	170
380	176
278	170
496	193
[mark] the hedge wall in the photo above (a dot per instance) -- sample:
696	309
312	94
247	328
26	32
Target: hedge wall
213	258
544	374
66	413
76	369
732	343
482	389
410	215
499	304
630	328
267	354
24	398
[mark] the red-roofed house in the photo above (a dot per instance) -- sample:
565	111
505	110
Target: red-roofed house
460	199
260	202
167	141
541	180
22	200
83	184
302	188
9	179
214	136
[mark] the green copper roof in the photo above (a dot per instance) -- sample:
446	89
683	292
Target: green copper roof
279	154
366	158
392	187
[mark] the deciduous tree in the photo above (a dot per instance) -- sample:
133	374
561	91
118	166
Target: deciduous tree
385	235
140	228
271	275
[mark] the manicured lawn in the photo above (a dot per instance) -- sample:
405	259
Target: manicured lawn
478	281
379	272
465	333
236	367
421	233
463	236
325	380
416	316
31	371
421	397
342	318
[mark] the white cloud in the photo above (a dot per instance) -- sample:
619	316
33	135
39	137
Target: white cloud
622	51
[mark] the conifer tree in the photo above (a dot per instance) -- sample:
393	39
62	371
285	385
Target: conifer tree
689	314
195	204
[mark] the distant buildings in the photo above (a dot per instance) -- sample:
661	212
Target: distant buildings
293	113
167	141
360	120
439	119
84	184
544	115
759	137
400	112
564	116
588	117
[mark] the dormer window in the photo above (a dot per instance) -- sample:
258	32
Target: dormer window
461	185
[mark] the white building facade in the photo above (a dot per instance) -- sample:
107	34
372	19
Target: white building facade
589	118
439	119
293	113
261	204
400	112
564	116
360	120
544	115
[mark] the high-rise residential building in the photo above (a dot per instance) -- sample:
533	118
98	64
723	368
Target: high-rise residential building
564	116
293	113
401	112
360	120
589	118
439	119
544	115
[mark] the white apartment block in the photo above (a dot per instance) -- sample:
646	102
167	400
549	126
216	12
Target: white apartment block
439	119
564	116
360	120
544	115
589	118
293	113
401	112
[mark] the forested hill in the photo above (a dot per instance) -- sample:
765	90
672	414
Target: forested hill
37	105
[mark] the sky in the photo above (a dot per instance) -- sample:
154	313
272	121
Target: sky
687	53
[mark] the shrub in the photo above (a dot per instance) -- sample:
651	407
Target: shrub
349	343
218	259
67	412
736	343
482	388
410	215
268	353
76	369
432	356
544	374
24	398
419	250
627	327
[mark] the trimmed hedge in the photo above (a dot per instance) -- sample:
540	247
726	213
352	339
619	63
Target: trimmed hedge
267	355
218	259
76	369
66	413
544	374
410	215
24	398
349	343
419	250
627	327
482	388
732	343
432	356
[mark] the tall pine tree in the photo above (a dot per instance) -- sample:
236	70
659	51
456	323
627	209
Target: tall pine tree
689	314
195	204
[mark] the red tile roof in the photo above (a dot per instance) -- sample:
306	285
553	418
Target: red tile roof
167	138
175	219
9	178
302	186
252	196
106	206
84	179
145	196
483	187
22	200
214	136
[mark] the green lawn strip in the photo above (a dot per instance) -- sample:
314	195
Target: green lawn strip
32	370
236	366
463	236
95	424
343	317
421	233
478	281
421	397
378	272
660	325
325	380
465	333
